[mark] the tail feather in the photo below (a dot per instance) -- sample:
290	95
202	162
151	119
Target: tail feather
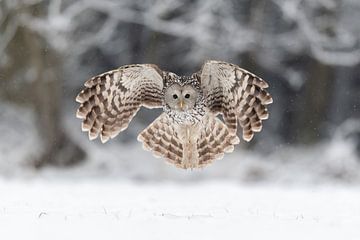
188	146
215	140
161	138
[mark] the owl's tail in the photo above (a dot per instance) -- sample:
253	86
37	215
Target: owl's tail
161	138
214	140
188	146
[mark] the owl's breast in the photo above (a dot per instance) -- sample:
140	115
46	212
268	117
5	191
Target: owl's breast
189	117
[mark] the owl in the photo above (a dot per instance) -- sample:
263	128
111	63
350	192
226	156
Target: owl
188	133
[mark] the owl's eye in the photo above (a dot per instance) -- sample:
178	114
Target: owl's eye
187	95
175	96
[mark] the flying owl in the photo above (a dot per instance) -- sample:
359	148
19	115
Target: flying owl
188	133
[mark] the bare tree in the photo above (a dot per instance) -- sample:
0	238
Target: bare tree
32	75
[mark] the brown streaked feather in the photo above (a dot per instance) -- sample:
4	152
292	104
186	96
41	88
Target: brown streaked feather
237	94
214	140
110	100
188	146
162	139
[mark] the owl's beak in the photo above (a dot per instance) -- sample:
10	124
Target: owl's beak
181	104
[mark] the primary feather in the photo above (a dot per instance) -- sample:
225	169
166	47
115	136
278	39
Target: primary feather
110	100
237	94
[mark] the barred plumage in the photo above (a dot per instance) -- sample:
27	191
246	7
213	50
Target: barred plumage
237	94
111	100
187	134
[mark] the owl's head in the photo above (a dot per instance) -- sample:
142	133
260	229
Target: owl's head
181	97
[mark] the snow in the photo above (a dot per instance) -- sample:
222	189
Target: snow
109	209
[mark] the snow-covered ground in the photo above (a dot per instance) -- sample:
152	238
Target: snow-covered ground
109	209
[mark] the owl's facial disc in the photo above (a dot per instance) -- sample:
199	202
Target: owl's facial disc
180	98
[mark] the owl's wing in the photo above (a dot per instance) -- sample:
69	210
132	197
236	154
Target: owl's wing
237	94
110	100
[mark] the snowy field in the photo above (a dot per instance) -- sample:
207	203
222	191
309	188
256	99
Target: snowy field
110	209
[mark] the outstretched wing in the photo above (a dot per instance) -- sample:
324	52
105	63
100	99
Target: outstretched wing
110	100
237	94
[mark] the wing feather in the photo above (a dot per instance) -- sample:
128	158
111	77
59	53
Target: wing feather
237	94
110	100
